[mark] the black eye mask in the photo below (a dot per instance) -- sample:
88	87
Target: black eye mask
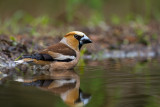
78	37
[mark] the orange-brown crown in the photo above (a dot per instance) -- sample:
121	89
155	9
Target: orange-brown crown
75	32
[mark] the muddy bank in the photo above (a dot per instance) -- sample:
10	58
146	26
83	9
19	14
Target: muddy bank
109	41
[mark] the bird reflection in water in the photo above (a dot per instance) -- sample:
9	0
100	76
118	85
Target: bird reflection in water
66	84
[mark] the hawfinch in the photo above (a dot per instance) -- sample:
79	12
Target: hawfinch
63	55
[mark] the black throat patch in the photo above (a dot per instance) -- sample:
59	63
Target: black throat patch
80	45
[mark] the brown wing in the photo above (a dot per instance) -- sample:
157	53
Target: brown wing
59	48
58	52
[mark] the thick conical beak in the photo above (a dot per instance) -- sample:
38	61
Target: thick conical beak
86	40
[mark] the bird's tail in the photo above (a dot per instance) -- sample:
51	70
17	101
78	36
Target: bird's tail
19	61
25	59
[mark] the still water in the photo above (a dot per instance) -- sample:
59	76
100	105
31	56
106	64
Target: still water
108	83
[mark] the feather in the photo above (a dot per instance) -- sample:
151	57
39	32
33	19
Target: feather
59	52
38	56
51	56
19	61
61	49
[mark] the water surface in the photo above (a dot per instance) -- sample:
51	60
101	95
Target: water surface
108	83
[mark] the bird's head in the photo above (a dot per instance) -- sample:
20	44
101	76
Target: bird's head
75	39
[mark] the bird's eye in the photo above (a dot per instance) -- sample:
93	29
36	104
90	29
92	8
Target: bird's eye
76	36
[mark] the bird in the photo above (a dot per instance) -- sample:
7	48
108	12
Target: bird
63	55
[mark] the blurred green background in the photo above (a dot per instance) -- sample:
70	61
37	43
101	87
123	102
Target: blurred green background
19	16
80	11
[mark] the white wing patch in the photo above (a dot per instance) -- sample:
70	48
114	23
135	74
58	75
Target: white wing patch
59	56
64	57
